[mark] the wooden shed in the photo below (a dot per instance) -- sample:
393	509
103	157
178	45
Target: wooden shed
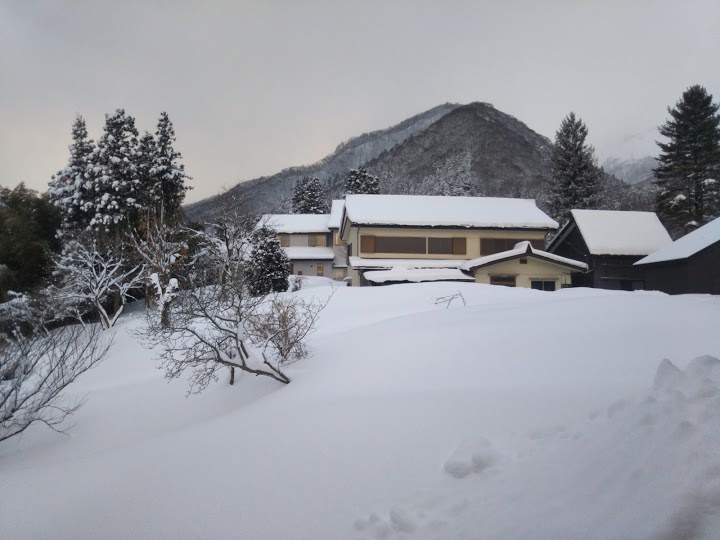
610	242
691	264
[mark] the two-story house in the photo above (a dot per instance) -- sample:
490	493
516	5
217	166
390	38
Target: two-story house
412	238
310	242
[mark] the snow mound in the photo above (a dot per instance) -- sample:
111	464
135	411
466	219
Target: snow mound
652	463
471	458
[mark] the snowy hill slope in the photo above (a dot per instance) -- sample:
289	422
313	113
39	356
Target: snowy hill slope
522	414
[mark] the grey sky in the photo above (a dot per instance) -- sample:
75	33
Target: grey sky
254	87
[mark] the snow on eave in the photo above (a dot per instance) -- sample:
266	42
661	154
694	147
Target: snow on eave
620	232
416	275
303	253
360	263
425	211
296	223
687	246
336	214
521	249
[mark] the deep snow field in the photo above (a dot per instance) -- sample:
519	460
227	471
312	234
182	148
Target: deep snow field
524	414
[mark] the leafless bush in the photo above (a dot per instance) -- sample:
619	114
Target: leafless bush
36	366
282	325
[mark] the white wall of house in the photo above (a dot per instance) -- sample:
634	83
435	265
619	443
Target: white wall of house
310	268
524	273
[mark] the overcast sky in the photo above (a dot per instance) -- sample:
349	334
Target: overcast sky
254	87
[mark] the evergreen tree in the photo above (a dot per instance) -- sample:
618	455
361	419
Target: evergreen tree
69	188
149	193
309	197
688	174
268	267
575	181
117	194
359	181
169	172
28	238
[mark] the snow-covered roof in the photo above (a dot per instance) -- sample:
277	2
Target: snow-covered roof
416	275
617	232
442	211
302	253
521	249
296	223
688	245
362	263
336	213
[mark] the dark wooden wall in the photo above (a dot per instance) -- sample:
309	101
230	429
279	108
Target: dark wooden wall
699	274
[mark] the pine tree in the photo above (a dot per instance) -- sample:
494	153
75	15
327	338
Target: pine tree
309	197
68	189
149	193
169	172
117	193
268	267
359	181
575	181
688	174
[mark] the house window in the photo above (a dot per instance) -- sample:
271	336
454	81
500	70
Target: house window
523	261
392	244
284	240
505	281
316	240
490	246
447	246
542	285
440	245
320	269
292	268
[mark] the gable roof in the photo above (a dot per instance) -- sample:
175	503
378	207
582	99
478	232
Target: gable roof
688	245
336	213
444	211
521	249
296	223
619	232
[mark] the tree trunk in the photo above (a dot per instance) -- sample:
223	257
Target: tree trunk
165	315
232	376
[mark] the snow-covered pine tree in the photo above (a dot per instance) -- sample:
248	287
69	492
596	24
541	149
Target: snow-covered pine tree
575	181
359	181
116	195
309	197
169	172
149	188
68	189
688	174
268	267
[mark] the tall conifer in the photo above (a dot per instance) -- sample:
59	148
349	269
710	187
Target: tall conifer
688	172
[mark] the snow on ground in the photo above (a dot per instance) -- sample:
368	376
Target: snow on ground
523	414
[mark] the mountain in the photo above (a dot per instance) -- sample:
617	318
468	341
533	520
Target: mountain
452	149
273	193
473	149
636	172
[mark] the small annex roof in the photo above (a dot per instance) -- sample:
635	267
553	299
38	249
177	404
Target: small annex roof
521	249
296	223
619	232
360	263
688	245
302	253
336	213
444	211
416	275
